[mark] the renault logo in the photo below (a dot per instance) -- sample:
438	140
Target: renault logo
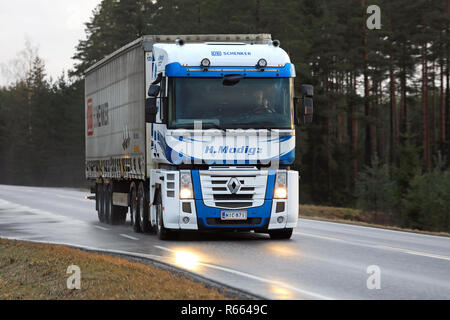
234	185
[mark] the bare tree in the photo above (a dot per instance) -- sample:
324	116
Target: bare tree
17	70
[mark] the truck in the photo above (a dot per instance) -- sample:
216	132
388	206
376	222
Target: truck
195	133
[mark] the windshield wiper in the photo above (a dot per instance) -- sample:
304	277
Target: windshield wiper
215	126
261	125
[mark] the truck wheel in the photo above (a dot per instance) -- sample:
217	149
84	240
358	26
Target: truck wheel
144	216
120	215
161	232
134	209
101	208
106	204
281	234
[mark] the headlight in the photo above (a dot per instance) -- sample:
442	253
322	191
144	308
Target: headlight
186	193
281	191
186	190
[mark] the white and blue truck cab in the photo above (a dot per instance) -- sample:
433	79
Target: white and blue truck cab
196	133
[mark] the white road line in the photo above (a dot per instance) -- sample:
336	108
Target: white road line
165	249
417	253
129	237
378	246
68	197
317	236
354	226
101	228
260	279
12	208
276	283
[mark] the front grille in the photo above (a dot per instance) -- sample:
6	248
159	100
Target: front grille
250	193
220	222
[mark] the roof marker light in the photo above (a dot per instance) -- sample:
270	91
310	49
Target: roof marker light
262	64
180	42
206	63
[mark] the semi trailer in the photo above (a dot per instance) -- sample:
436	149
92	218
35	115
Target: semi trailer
195	133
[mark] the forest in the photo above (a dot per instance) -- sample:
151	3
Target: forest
380	136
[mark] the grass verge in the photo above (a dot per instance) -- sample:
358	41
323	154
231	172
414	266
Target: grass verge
354	217
36	272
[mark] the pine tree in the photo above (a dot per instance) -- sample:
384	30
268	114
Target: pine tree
113	25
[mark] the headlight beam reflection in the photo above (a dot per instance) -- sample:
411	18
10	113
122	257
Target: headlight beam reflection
187	260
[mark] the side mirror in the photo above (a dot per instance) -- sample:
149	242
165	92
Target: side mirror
150	110
154	90
308	110
307	90
165	110
297	111
158	78
308	103
304	106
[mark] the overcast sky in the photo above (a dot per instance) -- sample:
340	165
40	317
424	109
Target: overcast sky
54	26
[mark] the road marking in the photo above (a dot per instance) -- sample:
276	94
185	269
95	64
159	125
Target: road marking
13	208
68	197
354	226
253	277
379	246
101	228
279	284
165	249
317	236
417	253
129	237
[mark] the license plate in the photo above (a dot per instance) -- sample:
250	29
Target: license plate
234	215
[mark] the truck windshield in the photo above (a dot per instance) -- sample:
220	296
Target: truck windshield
256	103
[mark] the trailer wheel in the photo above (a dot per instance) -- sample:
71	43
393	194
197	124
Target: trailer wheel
101	208
117	214
120	215
134	208
281	234
144	217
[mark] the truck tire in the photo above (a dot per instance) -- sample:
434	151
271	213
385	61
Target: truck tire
101	208
117	215
143	209
282	234
161	231
106	204
134	210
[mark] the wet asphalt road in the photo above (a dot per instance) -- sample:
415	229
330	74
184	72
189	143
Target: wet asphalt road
322	261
